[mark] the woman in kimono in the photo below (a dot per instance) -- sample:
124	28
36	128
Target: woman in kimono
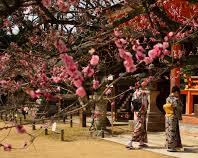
139	134
172	109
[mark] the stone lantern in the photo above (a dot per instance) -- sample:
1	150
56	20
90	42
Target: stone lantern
156	119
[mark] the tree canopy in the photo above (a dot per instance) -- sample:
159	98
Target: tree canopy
56	46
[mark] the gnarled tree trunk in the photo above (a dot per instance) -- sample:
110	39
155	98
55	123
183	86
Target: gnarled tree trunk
101	120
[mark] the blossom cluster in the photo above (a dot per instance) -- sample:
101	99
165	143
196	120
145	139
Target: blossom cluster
123	53
60	4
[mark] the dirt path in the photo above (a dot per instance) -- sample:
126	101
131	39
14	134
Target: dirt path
51	147
78	149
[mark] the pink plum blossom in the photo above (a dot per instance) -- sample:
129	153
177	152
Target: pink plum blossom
165	38
131	69
152	39
139	56
127	56
63	6
147	47
166	52
123	41
88	71
95	84
20	129
94	60
60	45
47	96
165	45
108	91
98	11
118	43
122	52
128	61
81	92
77	83
117	33
134	47
56	79
67	59
162	56
178	54
71	69
128	64
7	147
158	46
6	22
113	104
38	91
170	34
46	3
23	62
144	83
31	93
140	48
148	60
152	54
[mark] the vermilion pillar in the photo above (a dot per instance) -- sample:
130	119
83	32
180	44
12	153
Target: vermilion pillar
189	103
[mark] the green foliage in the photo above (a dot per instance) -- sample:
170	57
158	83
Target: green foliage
189	70
193	1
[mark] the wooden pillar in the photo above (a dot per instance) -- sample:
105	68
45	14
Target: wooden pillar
102	133
82	114
64	119
83	119
175	72
33	126
46	131
59	107
62	135
71	122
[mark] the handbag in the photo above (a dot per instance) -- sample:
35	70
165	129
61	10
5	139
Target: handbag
137	103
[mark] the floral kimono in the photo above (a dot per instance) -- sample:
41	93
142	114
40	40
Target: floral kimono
173	140
140	133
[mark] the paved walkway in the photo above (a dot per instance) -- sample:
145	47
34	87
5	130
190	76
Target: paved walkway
189	135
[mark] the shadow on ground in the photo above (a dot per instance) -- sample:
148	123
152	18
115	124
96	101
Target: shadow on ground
191	149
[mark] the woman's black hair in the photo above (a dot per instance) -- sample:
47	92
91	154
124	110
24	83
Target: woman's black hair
175	89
